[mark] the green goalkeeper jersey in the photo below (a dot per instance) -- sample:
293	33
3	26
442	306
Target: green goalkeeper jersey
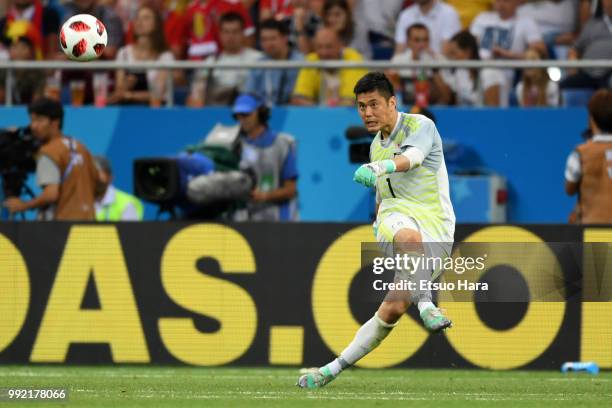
423	192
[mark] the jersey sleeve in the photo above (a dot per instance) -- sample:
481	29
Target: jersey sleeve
47	172
573	170
421	135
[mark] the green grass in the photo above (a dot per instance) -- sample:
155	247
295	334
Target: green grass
130	386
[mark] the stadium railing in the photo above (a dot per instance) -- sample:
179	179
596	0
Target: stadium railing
11	66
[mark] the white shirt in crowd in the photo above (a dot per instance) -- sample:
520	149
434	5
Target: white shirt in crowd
552	17
126	54
442	21
406	56
229	78
514	34
470	92
552	93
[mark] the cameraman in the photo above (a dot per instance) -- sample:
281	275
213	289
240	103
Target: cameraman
272	156
65	170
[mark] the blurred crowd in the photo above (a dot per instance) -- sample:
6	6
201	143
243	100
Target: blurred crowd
238	31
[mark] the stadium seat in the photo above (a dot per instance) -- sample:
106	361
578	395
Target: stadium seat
576	97
180	95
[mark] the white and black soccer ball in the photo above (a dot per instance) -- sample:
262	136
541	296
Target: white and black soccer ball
83	37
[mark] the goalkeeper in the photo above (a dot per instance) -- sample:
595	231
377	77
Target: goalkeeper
412	196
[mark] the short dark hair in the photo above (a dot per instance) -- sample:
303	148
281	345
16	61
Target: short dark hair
374	81
416	26
49	108
231	17
24	40
600	109
273	24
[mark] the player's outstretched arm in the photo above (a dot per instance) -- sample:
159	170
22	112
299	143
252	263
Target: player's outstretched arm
367	173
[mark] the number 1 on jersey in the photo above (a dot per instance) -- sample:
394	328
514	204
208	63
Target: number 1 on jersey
390	188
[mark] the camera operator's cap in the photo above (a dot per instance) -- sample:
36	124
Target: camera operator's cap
246	103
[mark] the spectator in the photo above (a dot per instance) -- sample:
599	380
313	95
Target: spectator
272	156
114	204
137	87
338	15
274	86
594	42
4	54
203	25
535	87
441	19
588	170
471	87
323	86
27	85
125	9
109	18
65	170
469	9
175	27
505	35
220	87
304	23
41	24
375	24
588	9
556	20
431	88
275	9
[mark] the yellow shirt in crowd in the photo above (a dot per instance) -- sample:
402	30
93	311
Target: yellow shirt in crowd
326	88
469	9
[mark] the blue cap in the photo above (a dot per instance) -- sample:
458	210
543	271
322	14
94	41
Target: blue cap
246	103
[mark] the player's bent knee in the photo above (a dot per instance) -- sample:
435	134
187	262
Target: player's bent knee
390	312
407	241
407	235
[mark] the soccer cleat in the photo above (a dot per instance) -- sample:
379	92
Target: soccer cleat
315	378
434	320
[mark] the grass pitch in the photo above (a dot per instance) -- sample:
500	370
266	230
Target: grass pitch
131	386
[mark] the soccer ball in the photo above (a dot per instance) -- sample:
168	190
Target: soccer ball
83	37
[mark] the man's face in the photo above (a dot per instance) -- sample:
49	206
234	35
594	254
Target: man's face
248	121
418	41
231	36
327	45
42	127
375	111
21	51
273	43
506	8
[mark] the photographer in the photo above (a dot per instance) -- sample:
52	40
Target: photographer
272	156
65	170
588	171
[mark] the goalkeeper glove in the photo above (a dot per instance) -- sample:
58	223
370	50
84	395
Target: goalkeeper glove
367	173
